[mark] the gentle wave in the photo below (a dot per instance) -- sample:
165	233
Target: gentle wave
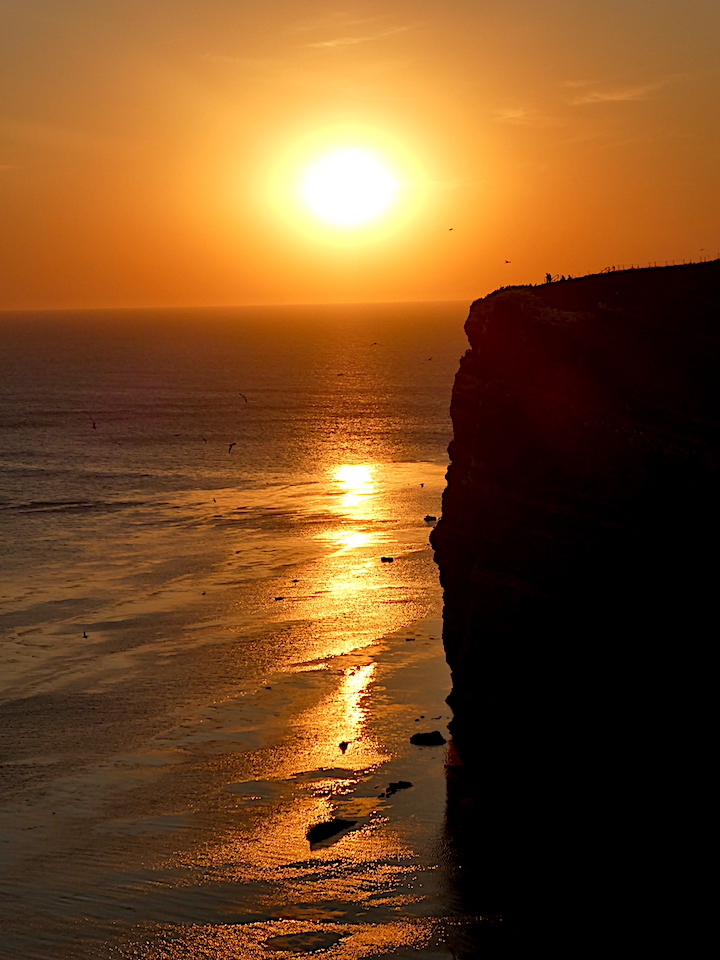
71	506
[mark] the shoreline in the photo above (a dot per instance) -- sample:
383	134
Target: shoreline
199	834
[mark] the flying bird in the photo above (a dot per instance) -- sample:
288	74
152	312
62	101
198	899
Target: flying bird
231	446
507	261
243	396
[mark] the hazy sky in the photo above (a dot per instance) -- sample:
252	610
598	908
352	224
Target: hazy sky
146	146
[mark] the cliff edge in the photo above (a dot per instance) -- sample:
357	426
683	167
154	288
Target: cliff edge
578	537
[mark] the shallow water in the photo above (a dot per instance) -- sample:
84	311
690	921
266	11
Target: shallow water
191	629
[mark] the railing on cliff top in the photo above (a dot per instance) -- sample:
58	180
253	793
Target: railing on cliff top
557	277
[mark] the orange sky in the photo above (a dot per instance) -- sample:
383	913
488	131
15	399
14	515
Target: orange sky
143	144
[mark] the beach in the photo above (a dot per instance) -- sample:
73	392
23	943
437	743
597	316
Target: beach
204	656
194	842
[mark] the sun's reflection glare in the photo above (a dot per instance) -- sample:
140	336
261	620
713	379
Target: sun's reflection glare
350	540
354	475
352	693
339	717
356	482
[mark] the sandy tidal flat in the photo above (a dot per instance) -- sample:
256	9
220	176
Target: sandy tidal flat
194	842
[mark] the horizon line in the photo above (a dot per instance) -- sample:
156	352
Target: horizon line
621	268
231	306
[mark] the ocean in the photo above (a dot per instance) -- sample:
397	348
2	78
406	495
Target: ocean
220	625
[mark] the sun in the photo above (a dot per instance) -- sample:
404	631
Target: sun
345	186
348	186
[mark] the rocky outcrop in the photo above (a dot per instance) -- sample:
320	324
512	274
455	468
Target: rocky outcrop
579	528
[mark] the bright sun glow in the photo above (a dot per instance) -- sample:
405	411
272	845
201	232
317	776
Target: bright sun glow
355	477
348	186
356	484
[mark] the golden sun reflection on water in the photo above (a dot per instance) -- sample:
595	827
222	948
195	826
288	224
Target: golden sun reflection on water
332	739
356	482
351	695
349	539
287	937
338	718
307	782
350	596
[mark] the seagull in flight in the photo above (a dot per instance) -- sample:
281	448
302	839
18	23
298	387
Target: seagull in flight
231	446
243	396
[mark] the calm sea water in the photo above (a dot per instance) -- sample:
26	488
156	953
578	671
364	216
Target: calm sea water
195	613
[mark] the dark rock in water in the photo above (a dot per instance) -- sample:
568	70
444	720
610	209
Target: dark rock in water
394	787
433	739
387	559
322	831
429	518
344	744
580	509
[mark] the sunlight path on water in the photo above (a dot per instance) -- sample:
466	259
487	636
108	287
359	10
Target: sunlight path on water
376	890
220	629
216	807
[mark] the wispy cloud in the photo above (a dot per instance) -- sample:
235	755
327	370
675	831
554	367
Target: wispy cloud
513	115
523	116
366	79
622	94
353	40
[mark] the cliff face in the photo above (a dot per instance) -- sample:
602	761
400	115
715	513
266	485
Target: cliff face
579	527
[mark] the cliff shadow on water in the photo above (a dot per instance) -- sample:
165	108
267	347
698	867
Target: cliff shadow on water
576	553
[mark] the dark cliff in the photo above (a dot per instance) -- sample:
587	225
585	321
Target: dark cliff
578	537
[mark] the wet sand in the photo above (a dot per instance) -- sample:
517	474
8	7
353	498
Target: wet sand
190	839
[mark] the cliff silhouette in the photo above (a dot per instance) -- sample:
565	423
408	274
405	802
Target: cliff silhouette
576	553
